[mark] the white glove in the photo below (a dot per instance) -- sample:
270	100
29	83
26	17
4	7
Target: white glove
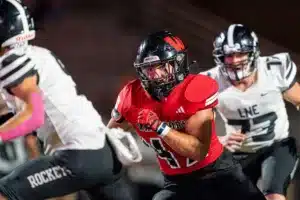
125	146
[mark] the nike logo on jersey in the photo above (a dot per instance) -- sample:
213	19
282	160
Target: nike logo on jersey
263	94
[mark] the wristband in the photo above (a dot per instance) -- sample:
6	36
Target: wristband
163	129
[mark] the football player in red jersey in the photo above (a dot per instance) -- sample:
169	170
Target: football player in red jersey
169	113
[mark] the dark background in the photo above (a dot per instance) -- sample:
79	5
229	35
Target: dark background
97	40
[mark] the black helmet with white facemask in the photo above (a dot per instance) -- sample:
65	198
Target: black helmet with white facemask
16	24
237	39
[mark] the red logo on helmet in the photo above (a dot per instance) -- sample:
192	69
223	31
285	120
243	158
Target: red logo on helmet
175	42
24	37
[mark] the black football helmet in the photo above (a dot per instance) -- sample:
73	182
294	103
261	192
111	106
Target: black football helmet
236	39
165	51
16	24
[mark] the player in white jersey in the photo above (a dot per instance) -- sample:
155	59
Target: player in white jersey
79	156
252	89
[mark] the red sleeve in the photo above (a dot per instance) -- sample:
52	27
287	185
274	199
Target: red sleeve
201	93
118	111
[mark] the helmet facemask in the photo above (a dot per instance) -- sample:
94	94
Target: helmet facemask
239	70
160	77
240	45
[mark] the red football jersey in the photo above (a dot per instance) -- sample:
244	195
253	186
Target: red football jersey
196	92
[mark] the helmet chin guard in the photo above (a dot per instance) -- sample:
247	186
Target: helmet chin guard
239	73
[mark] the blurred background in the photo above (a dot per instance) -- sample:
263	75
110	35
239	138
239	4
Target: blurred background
97	41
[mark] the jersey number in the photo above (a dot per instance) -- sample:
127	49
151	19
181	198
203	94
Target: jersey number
157	145
271	63
265	122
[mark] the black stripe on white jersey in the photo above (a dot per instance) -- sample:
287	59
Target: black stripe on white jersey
2	78
13	68
10	59
288	61
289	69
273	61
291	73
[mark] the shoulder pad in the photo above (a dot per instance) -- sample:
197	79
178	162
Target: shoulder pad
200	89
281	56
131	84
126	96
283	70
213	72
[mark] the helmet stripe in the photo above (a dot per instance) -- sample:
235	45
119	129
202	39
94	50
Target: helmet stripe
175	42
230	39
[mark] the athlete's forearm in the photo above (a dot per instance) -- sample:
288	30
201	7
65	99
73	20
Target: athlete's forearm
32	147
186	145
28	120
